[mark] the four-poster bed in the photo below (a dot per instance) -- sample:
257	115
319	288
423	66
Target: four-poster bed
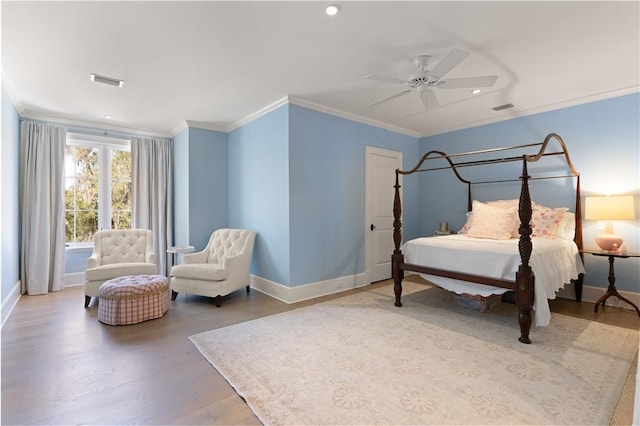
524	280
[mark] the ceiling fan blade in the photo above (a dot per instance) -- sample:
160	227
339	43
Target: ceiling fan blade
446	64
429	100
385	79
468	82
397	95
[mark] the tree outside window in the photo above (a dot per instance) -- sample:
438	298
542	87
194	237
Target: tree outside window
97	189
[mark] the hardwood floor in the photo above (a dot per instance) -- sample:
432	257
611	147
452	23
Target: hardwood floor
61	366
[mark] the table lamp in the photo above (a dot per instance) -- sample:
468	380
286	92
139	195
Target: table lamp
619	207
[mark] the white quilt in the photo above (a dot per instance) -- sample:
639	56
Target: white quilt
554	263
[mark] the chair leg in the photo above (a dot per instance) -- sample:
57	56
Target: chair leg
218	301
248	289
174	294
87	299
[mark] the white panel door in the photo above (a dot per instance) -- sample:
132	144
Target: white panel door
381	165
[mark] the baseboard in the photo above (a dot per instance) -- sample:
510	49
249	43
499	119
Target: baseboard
592	294
307	291
10	302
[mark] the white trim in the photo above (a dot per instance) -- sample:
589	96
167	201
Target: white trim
9	303
262	111
74	279
12	97
592	294
206	126
180	127
186	124
352	117
307	291
546	108
93	125
320	108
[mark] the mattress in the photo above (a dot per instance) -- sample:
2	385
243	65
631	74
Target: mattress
554	263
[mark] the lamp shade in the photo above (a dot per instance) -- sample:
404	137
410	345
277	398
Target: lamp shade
619	207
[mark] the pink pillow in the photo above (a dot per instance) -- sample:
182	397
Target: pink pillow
545	222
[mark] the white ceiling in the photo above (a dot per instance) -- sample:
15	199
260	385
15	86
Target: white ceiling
219	63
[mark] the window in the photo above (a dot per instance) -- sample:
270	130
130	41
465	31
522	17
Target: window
97	186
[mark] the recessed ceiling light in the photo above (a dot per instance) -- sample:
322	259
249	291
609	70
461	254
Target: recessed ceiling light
476	91
332	9
106	80
108	116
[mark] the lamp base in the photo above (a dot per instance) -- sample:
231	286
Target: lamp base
609	242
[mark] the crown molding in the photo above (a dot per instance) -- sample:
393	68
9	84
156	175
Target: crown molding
353	117
320	108
262	111
206	126
12	98
538	110
180	127
93	125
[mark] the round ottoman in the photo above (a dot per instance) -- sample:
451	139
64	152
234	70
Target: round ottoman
133	299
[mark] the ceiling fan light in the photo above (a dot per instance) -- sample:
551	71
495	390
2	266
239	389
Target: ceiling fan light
332	9
106	80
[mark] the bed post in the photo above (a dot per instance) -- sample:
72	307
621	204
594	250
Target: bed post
578	240
397	257
524	277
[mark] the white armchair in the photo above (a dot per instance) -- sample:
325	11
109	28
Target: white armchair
116	253
221	268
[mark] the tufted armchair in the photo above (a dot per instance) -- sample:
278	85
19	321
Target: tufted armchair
221	268
116	253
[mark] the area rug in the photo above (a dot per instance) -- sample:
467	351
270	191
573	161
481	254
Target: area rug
360	360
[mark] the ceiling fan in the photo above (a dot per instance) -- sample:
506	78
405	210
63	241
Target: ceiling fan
425	80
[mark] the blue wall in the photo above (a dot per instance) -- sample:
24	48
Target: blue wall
9	205
200	185
181	188
259	190
327	192
208	184
296	177
603	139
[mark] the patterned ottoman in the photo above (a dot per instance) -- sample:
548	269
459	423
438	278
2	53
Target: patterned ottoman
133	299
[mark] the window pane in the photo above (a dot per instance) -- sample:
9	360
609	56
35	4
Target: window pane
121	219
84	181
70	218
121	190
87	225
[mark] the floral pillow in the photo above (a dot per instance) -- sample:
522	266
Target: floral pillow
545	222
467	224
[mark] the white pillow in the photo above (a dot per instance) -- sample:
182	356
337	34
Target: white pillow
567	227
492	222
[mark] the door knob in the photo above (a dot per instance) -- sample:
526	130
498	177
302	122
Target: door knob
373	227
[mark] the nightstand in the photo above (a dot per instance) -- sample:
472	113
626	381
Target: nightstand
611	291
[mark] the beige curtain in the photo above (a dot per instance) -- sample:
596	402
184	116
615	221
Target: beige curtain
152	192
42	207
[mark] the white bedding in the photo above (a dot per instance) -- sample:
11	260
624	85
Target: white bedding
554	263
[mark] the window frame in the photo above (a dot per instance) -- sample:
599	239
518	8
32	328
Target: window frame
105	146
